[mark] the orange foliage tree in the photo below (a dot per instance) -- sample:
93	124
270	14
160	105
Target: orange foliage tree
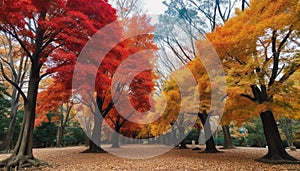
56	100
259	56
141	86
111	86
176	109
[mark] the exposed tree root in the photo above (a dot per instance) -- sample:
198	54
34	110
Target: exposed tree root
115	146
98	150
211	151
278	159
182	147
21	162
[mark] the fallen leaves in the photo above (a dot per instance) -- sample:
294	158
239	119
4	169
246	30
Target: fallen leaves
239	159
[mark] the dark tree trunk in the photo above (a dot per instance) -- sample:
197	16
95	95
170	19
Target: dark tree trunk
60	136
182	137
153	140
183	144
227	138
95	141
63	124
276	150
174	137
60	132
169	138
22	155
116	138
93	148
210	143
164	140
159	139
7	144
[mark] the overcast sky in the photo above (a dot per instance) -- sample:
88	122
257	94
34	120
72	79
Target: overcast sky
154	6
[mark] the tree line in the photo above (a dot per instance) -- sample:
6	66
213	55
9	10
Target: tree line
42	42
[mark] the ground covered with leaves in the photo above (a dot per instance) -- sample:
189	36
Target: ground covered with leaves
70	158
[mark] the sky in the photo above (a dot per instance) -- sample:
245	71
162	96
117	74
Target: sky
154	6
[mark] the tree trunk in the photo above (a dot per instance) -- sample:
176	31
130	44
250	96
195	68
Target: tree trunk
153	140
169	139
116	138
60	136
276	150
227	138
7	144
183	144
210	143
164	141
95	141
22	154
182	137
174	137
60	132
94	148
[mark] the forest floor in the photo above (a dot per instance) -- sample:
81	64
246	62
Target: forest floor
241	158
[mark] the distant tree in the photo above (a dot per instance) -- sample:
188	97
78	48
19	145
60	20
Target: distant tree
255	134
193	19
16	67
4	112
286	125
44	135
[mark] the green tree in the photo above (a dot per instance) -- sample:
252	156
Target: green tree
45	134
255	135
4	112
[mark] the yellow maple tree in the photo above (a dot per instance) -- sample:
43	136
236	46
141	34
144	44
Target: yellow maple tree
259	48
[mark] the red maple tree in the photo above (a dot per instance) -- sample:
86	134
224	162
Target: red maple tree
52	34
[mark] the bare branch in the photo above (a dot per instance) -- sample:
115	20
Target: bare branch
289	73
13	83
275	59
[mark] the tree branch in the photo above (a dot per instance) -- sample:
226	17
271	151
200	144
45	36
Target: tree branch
15	35
275	59
284	40
248	97
289	73
12	83
111	120
126	119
